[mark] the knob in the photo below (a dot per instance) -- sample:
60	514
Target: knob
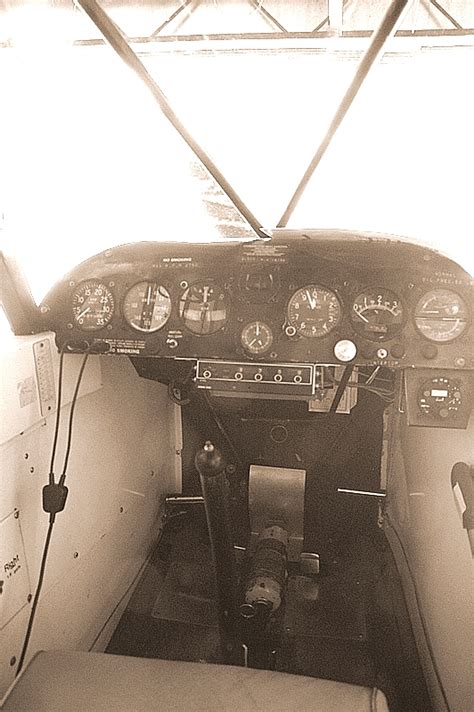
209	460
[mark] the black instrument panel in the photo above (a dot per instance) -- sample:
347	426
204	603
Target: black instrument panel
314	298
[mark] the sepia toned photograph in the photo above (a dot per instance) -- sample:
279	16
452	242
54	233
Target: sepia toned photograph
236	355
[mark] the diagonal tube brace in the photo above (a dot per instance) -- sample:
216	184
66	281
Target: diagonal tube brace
381	34
114	36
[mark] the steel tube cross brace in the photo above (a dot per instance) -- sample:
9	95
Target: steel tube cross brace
386	28
117	40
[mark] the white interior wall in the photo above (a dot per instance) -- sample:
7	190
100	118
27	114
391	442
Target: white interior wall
122	464
425	530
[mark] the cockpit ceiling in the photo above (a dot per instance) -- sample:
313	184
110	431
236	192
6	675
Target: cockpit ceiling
187	18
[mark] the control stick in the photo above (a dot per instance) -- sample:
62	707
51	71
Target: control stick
215	489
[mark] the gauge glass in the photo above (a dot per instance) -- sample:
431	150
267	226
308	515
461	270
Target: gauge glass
258	285
203	307
441	315
314	311
92	305
256	337
147	306
377	314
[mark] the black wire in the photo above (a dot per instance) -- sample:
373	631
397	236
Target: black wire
341	388
58	418
51	479
71	417
36	599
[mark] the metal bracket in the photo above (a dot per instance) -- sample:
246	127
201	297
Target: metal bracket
276	496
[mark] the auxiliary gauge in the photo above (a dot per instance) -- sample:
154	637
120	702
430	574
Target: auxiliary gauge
377	314
256	338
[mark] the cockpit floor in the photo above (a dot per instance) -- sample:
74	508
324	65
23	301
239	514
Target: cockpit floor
172	613
339	631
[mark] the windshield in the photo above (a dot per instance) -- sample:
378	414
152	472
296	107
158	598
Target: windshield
89	161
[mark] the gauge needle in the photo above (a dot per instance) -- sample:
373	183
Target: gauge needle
83	313
148	295
364	318
257	329
312	302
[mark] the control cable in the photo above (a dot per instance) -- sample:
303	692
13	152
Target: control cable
54	494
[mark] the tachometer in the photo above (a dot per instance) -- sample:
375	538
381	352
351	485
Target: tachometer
441	315
203	307
147	306
314	311
92	305
377	314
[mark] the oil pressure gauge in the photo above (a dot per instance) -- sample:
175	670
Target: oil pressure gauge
92	305
256	338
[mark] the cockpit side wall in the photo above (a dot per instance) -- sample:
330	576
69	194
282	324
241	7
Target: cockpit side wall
122	462
424	527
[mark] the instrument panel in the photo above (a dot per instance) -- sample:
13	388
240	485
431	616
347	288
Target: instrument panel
311	299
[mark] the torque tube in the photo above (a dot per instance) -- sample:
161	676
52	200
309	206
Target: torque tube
211	467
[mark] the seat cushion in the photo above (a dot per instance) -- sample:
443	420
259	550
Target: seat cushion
57	681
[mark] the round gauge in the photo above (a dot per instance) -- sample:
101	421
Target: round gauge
258	285
256	337
203	307
377	314
441	315
440	397
147	306
92	305
314	311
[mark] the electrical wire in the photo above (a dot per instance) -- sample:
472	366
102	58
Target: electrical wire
44	557
386	394
36	598
71	418
58	412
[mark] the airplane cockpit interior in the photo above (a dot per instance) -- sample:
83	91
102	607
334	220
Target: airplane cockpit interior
236	420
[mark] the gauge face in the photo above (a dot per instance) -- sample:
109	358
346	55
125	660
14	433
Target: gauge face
147	306
314	311
377	314
256	337
203	307
258	285
441	315
92	305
